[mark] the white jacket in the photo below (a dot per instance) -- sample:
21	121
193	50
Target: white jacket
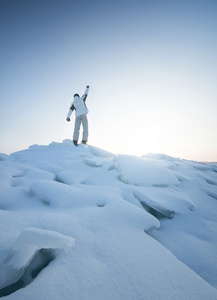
79	105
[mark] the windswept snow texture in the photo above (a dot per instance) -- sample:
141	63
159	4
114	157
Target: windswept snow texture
83	223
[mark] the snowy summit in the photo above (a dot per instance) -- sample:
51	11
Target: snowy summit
82	223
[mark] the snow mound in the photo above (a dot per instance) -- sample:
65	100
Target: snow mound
57	195
31	252
45	239
166	202
7	173
139	171
72	176
145	228
94	162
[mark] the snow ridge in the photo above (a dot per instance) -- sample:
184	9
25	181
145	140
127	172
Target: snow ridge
74	215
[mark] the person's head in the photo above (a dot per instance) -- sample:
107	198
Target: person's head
76	95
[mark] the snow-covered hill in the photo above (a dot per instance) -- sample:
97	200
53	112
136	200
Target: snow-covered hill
82	223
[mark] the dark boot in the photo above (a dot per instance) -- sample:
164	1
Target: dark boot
75	143
84	142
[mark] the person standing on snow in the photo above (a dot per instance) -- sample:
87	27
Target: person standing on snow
79	105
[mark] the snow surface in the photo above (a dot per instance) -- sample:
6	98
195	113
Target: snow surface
83	223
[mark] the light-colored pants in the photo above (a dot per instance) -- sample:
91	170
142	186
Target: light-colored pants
78	121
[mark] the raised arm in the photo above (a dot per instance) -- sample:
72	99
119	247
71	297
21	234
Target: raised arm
86	93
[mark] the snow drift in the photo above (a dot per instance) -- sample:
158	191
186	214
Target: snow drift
83	223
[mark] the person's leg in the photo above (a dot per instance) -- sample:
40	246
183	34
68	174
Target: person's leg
76	129
85	128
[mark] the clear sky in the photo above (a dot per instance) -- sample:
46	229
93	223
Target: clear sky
151	66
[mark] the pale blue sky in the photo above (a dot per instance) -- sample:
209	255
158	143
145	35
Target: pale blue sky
151	66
